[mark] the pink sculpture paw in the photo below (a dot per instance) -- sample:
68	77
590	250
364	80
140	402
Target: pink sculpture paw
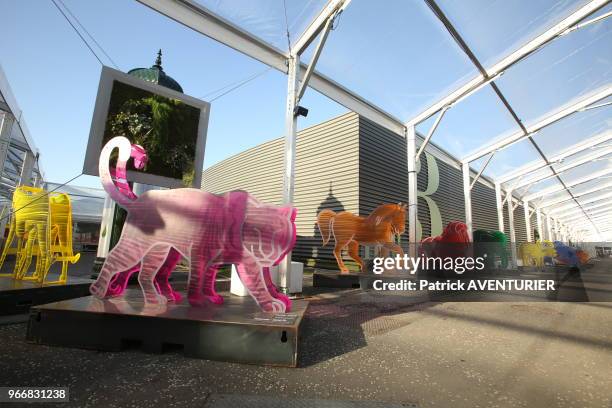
285	299
177	297
114	291
97	290
196	300
116	286
274	306
172	296
216	299
155	299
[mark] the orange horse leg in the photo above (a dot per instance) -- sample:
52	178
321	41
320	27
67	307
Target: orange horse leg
338	254
353	251
383	252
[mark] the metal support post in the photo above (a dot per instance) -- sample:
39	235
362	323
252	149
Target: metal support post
412	190
26	169
539	223
548	228
482	169
431	132
6	126
500	207
512	231
315	58
467	194
527	220
289	168
106	228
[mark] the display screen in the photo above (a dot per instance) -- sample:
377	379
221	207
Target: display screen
169	125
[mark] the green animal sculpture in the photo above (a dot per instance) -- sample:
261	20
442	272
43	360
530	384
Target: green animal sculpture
492	243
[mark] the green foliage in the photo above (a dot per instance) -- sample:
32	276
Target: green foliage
166	128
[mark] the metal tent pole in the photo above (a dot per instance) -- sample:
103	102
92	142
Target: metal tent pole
467	195
539	222
26	169
512	231
500	206
412	190
6	125
289	167
527	220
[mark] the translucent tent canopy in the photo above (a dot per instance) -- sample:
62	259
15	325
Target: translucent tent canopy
519	89
20	144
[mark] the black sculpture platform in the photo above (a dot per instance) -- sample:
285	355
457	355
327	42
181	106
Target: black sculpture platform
236	331
322	278
17	296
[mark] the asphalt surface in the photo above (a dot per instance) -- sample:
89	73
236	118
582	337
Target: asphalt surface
361	346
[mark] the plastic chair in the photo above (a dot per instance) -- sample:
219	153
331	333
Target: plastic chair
30	212
42	224
61	235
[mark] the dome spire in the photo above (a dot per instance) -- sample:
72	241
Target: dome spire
158	61
156	74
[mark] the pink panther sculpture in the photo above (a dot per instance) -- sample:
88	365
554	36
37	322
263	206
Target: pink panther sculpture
207	229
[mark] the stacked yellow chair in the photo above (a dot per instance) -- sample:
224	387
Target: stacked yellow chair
61	233
533	253
42	224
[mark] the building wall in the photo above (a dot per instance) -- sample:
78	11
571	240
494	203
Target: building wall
383	178
351	164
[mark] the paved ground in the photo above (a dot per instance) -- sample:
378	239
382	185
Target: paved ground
362	346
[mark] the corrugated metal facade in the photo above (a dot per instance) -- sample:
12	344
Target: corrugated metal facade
383	178
350	163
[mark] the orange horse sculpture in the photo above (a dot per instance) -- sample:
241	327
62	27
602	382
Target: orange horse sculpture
350	230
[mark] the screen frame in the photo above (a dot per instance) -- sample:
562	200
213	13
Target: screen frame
98	125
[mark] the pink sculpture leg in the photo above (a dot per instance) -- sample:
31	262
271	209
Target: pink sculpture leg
151	263
119	282
161	279
195	293
273	290
252	277
118	260
208	286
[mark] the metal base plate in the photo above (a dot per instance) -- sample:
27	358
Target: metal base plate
236	331
17	296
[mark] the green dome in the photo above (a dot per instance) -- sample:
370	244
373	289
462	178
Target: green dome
156	75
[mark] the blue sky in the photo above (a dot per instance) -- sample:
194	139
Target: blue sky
403	64
55	78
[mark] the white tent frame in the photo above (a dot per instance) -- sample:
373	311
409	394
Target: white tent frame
202	20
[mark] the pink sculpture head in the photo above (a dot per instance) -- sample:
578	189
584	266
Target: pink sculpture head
209	230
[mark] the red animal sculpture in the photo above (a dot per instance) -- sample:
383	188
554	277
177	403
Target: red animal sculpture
454	242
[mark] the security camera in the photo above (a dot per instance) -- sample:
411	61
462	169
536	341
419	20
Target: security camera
300	111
